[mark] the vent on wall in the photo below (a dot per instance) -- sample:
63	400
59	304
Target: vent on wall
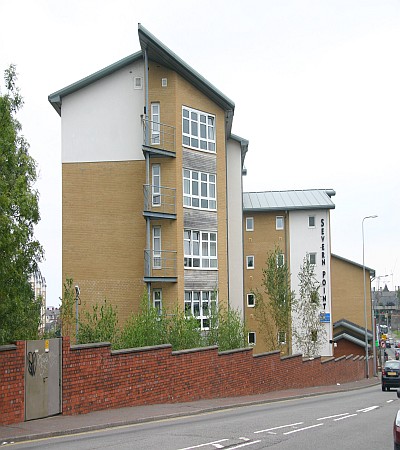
138	83
164	82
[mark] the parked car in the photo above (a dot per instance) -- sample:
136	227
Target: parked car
391	375
396	428
388	344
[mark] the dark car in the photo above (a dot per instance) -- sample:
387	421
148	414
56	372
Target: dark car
388	344
391	375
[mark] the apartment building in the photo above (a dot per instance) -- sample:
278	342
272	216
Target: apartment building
151	186
298	223
38	285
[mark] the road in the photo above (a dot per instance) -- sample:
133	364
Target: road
360	419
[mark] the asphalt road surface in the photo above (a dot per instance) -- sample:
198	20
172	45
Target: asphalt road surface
360	419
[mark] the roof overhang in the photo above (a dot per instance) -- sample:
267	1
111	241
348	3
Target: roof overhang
159	53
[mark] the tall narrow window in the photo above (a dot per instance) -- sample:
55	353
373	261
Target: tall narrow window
311	221
249	224
156	184
251	301
157	262
279	223
280	260
250	262
155	123
157	300
251	338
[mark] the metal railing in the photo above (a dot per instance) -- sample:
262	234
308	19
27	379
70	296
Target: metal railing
160	135
160	264
159	199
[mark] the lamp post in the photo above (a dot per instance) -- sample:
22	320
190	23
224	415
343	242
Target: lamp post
365	300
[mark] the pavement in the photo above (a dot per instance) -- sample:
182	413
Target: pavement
63	425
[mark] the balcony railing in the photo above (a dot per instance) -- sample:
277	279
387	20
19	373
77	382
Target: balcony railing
160	135
160	264
159	200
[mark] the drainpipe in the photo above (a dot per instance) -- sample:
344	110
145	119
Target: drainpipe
147	134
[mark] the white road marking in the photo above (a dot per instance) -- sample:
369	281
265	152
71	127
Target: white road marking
389	401
344	417
302	429
203	445
370	408
332	417
278	428
246	444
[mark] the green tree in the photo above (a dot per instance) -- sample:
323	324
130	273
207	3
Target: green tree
273	313
20	252
308	331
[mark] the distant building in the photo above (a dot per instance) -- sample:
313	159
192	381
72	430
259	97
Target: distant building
38	284
52	318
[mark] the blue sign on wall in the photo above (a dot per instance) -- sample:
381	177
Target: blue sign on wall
325	317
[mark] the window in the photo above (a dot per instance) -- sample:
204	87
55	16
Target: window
155	123
249	224
251	338
279	223
157	300
312	258
282	337
157	248
200	248
311	221
251	300
280	260
198	129
156	184
199	190
250	262
200	304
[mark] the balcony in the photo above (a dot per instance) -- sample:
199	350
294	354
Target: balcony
160	266
159	202
160	140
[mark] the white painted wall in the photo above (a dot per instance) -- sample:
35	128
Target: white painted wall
101	122
235	225
305	240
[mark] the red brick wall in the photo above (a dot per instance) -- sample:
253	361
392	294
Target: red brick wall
95	378
12	394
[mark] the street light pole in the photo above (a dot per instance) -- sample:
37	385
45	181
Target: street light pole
365	300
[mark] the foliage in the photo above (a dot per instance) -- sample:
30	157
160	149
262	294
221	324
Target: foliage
101	325
308	331
67	317
20	253
183	332
145	328
274	313
227	330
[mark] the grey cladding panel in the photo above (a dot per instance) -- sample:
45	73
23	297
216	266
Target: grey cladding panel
201	280
199	161
195	219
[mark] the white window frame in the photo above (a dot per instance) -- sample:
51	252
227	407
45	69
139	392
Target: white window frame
312	256
200	250
280	222
157	300
311	218
157	257
199	304
199	190
155	123
198	130
248	264
156	184
254	340
280	259
280	335
249	223
253	303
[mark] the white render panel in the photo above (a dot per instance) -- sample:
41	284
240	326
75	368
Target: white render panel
102	122
305	240
235	225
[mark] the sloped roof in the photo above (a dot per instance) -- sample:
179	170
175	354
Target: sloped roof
157	52
368	269
288	200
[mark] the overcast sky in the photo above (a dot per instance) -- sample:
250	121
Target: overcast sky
316	85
